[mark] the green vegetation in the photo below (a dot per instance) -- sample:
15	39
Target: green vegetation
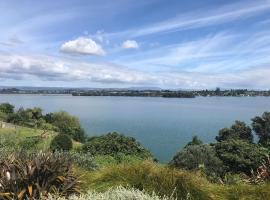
24	176
239	130
42	155
240	156
198	156
61	142
261	126
114	143
61	122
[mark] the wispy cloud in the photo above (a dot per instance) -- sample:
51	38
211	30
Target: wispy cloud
198	19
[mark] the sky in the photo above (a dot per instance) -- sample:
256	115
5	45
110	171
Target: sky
187	44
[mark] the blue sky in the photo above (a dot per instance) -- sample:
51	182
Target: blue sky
190	44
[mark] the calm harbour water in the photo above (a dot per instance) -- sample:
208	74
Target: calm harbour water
162	125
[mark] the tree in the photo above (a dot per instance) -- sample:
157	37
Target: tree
261	126
113	144
240	156
192	157
61	142
239	130
66	124
195	141
6	108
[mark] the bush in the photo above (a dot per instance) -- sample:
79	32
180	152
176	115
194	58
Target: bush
238	131
6	108
66	124
119	193
239	156
31	176
261	126
61	142
115	143
194	157
84	160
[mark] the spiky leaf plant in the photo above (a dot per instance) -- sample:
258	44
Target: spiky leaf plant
32	176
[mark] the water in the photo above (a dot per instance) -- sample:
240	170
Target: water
162	125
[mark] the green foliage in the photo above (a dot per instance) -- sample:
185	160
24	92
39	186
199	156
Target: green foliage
66	124
26	117
6	108
195	157
61	142
238	130
24	176
120	158
239	156
119	193
262	174
83	160
195	141
261	126
115	143
149	177
30	143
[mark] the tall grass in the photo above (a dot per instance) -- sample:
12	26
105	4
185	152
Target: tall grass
149	177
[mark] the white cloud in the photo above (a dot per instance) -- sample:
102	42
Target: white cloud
130	44
82	46
45	68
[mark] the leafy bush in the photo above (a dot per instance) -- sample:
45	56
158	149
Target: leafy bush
238	131
262	174
6	108
66	124
61	142
194	157
119	193
24	176
30	143
239	156
84	160
115	143
261	126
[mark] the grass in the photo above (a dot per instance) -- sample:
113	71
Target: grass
23	136
151	177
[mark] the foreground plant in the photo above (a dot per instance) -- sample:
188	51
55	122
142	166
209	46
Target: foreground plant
33	176
119	193
262	174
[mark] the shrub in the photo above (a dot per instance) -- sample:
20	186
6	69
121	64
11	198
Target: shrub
238	131
6	108
261	126
66	124
24	176
194	157
115	143
61	142
239	156
84	160
30	143
262	174
119	193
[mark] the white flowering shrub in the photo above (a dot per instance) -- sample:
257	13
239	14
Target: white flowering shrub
119	193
